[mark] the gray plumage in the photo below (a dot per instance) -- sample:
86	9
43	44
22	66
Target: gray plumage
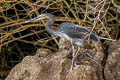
76	33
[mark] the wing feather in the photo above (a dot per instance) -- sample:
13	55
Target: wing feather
76	32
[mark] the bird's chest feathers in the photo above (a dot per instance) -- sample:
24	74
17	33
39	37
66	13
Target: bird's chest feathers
65	36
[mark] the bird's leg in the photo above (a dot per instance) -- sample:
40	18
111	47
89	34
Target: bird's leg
73	58
76	54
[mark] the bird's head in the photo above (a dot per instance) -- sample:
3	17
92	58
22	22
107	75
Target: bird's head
42	16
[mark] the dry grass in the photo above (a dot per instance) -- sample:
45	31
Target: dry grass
103	16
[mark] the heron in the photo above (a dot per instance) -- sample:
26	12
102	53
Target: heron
76	34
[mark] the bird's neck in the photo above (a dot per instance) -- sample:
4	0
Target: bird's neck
49	29
50	22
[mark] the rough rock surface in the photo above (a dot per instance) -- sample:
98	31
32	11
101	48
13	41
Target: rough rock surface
41	67
46	65
112	67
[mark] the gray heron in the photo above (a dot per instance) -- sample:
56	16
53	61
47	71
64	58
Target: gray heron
76	34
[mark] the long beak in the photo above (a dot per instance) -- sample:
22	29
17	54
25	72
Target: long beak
36	18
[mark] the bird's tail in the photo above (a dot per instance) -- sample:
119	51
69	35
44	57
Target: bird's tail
94	37
107	39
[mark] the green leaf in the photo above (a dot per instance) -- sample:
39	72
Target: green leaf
90	2
92	21
86	24
9	49
8	5
75	1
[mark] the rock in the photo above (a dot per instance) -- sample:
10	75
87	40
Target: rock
41	68
41	52
28	69
89	65
46	65
112	67
83	72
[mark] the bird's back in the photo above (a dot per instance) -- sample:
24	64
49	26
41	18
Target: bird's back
76	32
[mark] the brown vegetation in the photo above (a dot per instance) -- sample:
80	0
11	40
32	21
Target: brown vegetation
18	39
